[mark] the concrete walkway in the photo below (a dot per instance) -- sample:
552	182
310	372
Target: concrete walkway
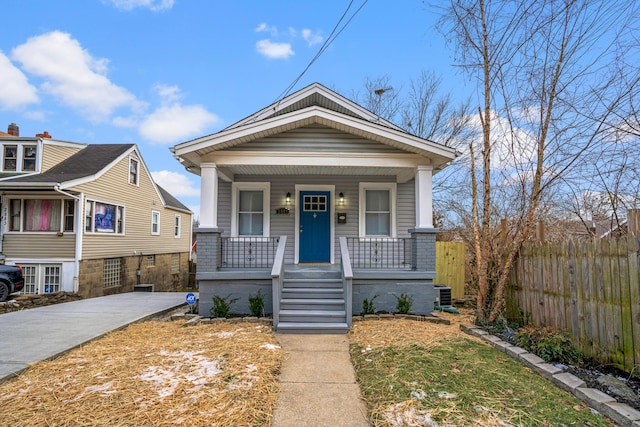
29	336
318	383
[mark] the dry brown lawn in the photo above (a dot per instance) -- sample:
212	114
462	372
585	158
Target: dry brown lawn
153	374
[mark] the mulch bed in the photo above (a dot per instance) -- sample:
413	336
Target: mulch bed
153	373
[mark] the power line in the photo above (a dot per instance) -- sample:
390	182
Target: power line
330	39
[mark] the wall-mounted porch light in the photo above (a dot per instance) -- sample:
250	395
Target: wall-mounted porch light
341	197
288	198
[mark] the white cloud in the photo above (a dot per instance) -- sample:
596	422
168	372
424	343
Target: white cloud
71	74
264	28
177	184
154	5
15	90
310	37
175	122
273	50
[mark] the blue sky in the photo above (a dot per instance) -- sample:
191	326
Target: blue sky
160	72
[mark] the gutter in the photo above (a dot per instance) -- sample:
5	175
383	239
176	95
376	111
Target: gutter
79	233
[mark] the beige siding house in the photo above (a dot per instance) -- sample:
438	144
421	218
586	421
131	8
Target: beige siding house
88	218
319	205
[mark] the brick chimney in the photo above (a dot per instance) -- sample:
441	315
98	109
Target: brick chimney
43	135
13	130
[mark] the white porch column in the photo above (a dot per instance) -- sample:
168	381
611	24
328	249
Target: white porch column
424	195
208	195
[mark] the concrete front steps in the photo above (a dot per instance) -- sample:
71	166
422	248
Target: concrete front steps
312	302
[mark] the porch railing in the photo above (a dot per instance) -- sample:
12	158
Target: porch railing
381	253
347	279
247	252
277	280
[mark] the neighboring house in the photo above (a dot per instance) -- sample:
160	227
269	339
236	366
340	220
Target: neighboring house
319	204
88	218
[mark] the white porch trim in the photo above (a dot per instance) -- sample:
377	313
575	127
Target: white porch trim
208	195
310	187
424	197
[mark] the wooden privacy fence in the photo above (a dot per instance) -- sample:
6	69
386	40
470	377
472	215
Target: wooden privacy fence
450	267
590	288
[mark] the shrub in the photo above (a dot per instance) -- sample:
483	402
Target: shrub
367	305
222	305
403	303
548	343
256	304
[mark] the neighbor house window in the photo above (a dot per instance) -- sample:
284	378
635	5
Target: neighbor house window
155	222
52	215
151	260
29	158
133	171
250	205
111	272
42	278
175	263
377	209
19	158
176	226
103	218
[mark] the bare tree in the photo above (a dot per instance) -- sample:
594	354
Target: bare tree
545	71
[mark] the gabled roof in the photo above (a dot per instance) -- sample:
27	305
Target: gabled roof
86	163
170	201
313	105
314	95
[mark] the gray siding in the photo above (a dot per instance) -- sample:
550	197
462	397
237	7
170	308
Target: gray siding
284	225
320	138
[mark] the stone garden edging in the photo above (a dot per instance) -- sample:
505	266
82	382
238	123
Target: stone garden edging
620	413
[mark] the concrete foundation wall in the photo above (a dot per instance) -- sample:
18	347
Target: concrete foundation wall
237	289
387	290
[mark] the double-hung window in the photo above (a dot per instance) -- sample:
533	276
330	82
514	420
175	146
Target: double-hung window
155	222
377	210
19	158
250	209
134	175
177	222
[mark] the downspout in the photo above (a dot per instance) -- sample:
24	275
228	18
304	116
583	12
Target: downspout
79	233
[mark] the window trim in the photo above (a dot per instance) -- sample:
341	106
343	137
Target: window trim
154	215
392	187
137	175
20	158
21	220
265	187
121	214
177	226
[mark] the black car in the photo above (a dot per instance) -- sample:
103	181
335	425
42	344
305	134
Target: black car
11	280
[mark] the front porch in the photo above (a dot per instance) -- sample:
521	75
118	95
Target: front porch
317	298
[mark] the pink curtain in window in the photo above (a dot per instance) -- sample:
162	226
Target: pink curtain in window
42	215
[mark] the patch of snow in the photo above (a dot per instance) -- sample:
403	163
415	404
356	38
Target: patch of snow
418	395
404	415
447	395
270	346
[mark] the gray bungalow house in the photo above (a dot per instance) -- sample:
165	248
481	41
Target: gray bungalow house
318	204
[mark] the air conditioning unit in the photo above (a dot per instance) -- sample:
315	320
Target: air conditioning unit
442	295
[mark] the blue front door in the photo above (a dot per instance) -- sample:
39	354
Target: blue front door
315	227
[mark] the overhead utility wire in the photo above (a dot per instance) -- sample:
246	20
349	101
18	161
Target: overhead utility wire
330	39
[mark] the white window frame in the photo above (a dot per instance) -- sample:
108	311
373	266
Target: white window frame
154	215
22	200
20	150
39	273
177	226
265	187
121	214
392	187
137	177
